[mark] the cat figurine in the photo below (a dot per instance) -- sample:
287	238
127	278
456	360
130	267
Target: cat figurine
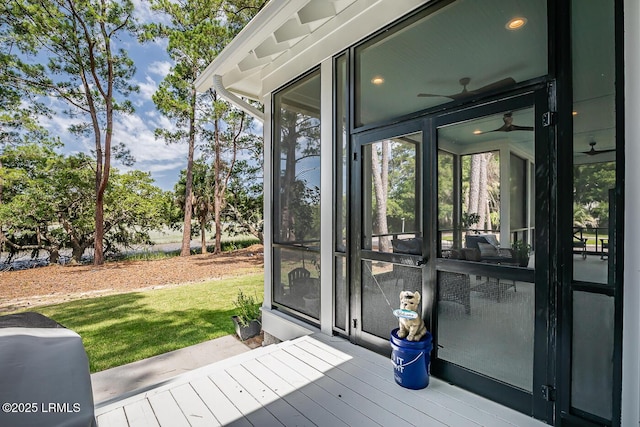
413	329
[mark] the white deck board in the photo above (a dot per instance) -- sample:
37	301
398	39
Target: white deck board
114	418
194	409
141	414
280	408
257	414
466	404
332	403
167	410
224	410
311	381
315	413
384	401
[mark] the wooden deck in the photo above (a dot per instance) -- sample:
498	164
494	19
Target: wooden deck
311	381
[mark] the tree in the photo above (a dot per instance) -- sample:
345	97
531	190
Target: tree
77	39
380	172
244	199
230	137
592	182
48	205
201	197
482	184
197	32
300	155
24	217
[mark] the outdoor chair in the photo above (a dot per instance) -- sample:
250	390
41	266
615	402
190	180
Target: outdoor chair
298	282
453	287
485	247
580	245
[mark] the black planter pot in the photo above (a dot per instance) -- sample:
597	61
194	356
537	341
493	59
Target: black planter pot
246	332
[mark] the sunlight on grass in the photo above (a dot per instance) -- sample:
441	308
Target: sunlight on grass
124	328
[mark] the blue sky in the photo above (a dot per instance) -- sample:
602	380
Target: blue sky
163	161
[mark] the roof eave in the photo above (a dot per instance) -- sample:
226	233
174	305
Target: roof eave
274	14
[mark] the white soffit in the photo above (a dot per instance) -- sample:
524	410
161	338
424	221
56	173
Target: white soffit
277	27
285	31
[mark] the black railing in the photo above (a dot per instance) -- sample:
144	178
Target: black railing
595	240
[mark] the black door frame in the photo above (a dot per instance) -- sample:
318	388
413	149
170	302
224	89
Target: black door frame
357	254
538	404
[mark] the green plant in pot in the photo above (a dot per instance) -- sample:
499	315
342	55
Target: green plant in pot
248	317
521	252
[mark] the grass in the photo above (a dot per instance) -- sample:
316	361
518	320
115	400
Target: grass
121	329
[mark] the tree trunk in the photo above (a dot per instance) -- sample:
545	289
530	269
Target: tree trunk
474	187
289	142
483	190
185	250
54	255
380	171
218	192
203	235
76	254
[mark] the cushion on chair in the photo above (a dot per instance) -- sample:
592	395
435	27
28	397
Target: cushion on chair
457	254
471	254
407	246
491	239
487	250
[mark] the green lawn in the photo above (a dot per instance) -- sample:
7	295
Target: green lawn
124	328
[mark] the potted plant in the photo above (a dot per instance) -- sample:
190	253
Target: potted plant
248	320
521	252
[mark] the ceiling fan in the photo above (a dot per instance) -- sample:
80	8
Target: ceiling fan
593	150
465	92
508	125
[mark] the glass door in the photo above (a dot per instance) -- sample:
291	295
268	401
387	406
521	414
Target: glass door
388	256
492	324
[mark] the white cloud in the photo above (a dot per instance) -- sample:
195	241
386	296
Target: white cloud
138	135
143	13
147	89
159	68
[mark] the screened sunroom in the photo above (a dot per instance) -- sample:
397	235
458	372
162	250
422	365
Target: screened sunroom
472	151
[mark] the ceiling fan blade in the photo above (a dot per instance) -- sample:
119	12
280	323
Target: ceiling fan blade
431	95
502	128
516	127
508	81
508	125
593	151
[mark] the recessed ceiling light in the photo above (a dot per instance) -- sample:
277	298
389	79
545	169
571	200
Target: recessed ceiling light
516	23
574	113
477	132
377	80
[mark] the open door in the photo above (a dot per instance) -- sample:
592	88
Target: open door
389	246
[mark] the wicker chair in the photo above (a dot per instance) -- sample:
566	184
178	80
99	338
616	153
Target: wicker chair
455	287
298	283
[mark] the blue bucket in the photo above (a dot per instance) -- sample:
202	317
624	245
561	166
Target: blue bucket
411	360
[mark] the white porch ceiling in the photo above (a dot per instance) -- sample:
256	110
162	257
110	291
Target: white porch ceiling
289	37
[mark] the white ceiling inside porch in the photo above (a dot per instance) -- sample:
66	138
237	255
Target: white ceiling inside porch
291	31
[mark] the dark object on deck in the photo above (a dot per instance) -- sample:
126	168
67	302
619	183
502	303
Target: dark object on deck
45	374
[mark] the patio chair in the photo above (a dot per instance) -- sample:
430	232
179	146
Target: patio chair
455	287
485	247
580	245
451	286
298	283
